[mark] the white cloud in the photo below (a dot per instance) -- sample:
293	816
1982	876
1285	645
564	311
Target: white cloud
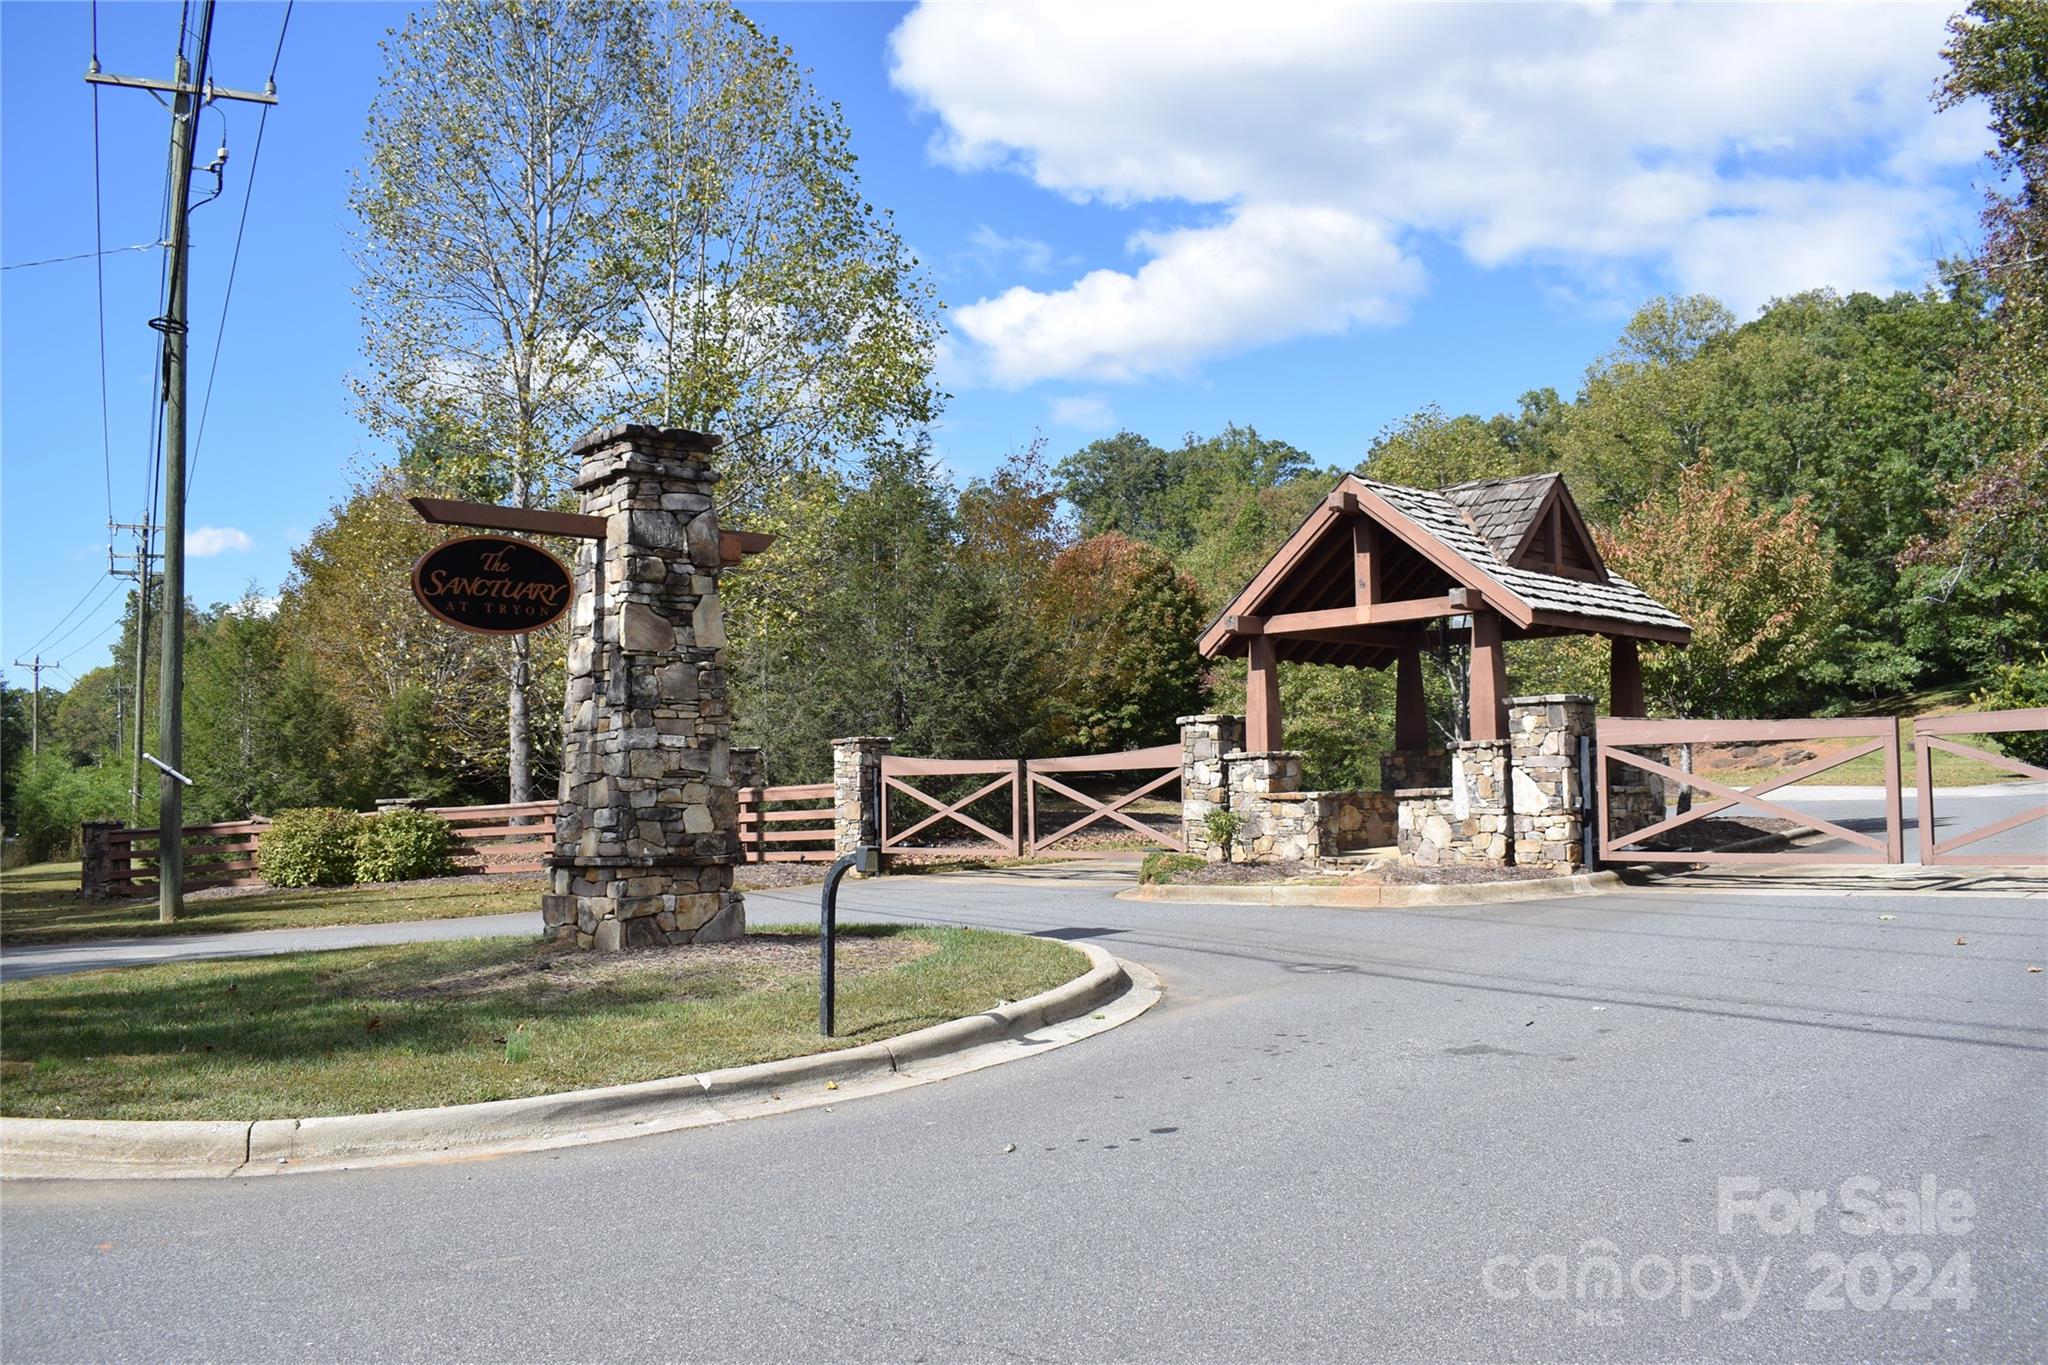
1270	272
205	542
990	252
1083	412
1744	149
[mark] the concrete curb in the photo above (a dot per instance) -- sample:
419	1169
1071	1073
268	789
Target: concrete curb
1373	896
1109	993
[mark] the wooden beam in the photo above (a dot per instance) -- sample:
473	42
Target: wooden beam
1339	625
1488	679
1411	721
1624	678
1414	609
1262	698
733	546
1365	562
450	512
1573	623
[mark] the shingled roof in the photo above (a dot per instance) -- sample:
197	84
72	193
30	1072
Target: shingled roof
1436	544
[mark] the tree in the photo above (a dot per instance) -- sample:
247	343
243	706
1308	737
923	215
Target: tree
1429	449
1994	512
1757	587
1123	666
780	308
493	301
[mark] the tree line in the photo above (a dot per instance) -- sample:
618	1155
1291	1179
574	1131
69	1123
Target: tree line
1846	495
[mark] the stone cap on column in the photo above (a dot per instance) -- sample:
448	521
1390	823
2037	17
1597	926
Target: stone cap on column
1548	698
623	447
1213	718
1247	755
640	434
864	739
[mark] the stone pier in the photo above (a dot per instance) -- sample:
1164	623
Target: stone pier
857	791
645	835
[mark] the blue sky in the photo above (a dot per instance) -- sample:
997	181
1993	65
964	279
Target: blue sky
1313	219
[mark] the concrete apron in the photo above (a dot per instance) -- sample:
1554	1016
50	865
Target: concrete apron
1109	993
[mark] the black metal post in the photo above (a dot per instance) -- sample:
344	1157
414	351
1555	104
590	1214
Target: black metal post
828	931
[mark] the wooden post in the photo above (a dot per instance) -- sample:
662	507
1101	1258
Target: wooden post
1365	564
1262	697
1411	723
1625	677
1488	677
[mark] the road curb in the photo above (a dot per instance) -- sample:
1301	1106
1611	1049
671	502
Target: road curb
1374	896
1109	993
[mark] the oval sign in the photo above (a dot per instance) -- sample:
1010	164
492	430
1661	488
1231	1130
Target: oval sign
494	585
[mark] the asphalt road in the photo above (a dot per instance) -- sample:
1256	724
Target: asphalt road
1957	811
1342	1135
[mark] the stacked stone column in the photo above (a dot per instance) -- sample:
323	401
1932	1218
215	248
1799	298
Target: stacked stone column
645	834
857	791
1469	821
1549	791
96	859
1204	776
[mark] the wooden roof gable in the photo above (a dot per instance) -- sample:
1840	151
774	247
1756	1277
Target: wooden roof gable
1374	562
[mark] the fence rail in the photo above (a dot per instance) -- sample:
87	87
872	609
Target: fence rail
1927	737
1108	806
791	834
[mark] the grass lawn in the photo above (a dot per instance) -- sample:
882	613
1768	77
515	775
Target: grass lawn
1950	770
367	1029
41	904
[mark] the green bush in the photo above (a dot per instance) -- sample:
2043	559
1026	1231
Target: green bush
311	846
51	798
2016	687
1162	867
1223	826
403	844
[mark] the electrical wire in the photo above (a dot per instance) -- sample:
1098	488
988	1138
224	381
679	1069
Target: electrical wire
62	619
83	621
88	255
235	259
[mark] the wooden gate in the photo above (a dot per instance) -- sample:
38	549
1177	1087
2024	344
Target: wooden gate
1109	806
1616	736
1925	731
808	812
897	831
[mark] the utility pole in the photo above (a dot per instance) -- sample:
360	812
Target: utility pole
145	560
35	667
191	93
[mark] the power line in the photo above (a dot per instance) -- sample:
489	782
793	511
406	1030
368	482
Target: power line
86	619
99	255
235	260
62	619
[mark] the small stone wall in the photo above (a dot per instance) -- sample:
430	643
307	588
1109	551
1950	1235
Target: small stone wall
1468	821
96	859
1632	808
1353	820
1407	768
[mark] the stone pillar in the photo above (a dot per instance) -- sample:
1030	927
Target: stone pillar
1549	798
646	834
746	766
1204	781
857	791
1281	823
96	859
1480	797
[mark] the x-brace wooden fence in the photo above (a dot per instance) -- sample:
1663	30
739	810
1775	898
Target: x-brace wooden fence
1879	735
1112	807
1006	773
1927	733
911	817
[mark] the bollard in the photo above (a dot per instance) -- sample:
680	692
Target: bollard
868	859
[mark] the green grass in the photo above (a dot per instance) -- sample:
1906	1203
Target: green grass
41	904
369	1029
1949	770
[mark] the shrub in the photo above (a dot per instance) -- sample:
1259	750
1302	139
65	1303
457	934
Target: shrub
1223	826
51	798
2016	687
403	844
311	846
1163	867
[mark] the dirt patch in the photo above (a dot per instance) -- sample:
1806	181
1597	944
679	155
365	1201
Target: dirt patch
752	962
1702	836
1460	875
1244	874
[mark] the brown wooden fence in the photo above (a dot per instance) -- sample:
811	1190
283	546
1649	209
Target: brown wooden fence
501	838
787	824
1164	760
903	822
1927	737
